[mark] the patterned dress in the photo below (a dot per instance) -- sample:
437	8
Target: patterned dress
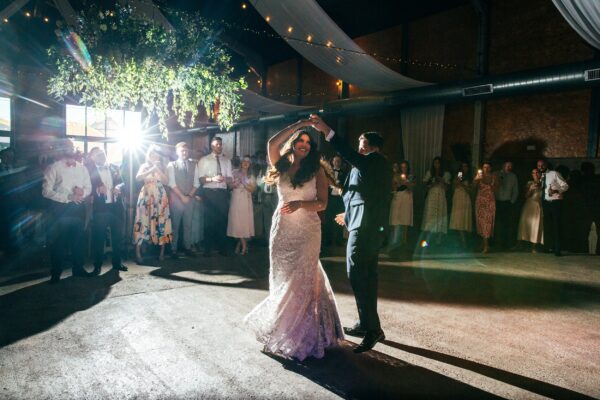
461	216
485	208
435	214
152	217
299	318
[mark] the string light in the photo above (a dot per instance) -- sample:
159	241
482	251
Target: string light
46	19
5	20
290	29
329	44
309	38
27	14
268	18
244	6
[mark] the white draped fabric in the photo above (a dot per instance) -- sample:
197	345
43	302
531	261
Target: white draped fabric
307	18
255	102
584	17
422	132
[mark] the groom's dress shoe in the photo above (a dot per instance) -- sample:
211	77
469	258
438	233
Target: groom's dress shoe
355	331
121	267
371	338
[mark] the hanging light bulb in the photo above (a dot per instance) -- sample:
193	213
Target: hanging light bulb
46	19
5	20
244	6
329	44
268	18
27	14
290	29
309	38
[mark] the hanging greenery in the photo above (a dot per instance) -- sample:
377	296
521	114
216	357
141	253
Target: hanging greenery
115	59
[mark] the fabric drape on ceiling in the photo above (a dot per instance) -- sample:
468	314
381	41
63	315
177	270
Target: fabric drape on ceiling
584	17
422	132
255	102
306	17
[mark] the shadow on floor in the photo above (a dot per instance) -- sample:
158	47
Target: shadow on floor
374	375
523	382
413	283
34	309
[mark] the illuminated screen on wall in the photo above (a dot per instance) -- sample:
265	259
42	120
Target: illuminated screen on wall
4	114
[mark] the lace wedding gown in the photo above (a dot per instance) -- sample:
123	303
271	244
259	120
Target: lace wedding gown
299	318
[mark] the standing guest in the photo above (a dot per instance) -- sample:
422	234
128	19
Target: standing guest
215	173
333	232
268	199
461	216
153	216
506	200
435	214
485	203
66	185
107	209
553	187
401	208
198	215
241	211
182	198
531	227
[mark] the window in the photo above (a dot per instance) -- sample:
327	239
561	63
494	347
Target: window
5	122
89	127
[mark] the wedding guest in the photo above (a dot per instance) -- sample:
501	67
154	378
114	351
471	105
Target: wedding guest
401	208
215	173
268	199
461	216
153	216
334	233
107	209
506	200
241	211
531	228
435	214
182	198
485	203
66	185
553	188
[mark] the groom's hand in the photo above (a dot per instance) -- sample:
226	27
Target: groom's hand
339	219
319	124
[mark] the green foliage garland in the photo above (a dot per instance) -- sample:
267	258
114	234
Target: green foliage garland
133	62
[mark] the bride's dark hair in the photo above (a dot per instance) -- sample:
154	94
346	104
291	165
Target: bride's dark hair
309	166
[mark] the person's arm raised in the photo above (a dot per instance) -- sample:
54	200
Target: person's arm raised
274	144
340	145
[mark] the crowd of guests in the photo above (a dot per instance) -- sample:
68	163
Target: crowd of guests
205	206
487	203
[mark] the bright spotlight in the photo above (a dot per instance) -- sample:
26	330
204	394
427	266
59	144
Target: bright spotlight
130	139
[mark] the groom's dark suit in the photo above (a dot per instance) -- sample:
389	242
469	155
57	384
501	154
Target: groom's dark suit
367	198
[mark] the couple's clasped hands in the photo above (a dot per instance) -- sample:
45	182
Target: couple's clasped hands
316	122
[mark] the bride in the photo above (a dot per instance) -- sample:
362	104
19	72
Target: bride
299	318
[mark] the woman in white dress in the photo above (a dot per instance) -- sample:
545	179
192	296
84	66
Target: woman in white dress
401	207
241	210
531	228
435	214
299	318
461	216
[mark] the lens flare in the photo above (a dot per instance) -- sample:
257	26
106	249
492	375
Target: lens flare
424	244
76	48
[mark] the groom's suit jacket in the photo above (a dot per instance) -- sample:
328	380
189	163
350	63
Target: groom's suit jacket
367	188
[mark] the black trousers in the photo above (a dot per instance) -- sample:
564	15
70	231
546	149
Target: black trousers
552	214
505	222
216	211
111	216
361	260
333	233
67	236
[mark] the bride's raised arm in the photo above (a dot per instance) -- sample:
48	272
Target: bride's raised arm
277	141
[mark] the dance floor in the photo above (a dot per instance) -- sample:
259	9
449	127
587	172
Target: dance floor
509	325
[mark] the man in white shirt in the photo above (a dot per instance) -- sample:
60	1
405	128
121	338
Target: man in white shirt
66	185
107	209
214	172
553	188
182	197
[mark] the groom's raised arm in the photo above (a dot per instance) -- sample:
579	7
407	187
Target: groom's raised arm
340	145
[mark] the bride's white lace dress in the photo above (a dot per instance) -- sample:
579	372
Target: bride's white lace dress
299	319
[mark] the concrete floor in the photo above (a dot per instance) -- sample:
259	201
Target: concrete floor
510	325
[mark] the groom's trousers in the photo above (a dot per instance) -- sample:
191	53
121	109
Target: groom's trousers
361	258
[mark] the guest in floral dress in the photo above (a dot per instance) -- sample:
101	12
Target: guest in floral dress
485	203
152	219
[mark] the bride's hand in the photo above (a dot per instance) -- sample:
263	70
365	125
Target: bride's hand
291	206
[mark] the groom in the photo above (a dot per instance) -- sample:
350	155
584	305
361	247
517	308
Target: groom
366	196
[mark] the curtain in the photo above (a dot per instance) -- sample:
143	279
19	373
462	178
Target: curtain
422	132
306	18
584	17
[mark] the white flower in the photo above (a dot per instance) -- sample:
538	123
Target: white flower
103	27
